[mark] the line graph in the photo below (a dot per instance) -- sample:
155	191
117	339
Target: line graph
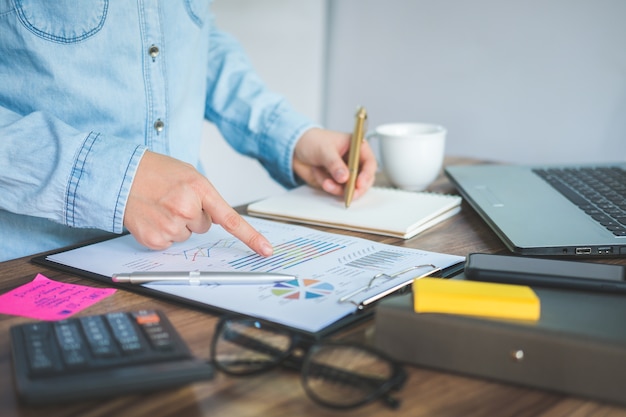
204	250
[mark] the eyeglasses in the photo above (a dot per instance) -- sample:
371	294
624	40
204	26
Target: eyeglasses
333	374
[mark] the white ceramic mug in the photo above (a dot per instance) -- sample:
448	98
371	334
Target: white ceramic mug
411	154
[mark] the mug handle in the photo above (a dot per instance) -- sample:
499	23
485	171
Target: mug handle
370	134
372	138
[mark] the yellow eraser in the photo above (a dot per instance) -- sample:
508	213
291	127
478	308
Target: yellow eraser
475	298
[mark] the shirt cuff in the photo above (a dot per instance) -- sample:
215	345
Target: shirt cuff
100	182
285	128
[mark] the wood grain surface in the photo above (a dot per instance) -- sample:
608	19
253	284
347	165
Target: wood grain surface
278	393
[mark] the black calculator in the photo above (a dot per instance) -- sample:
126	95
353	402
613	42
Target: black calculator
101	356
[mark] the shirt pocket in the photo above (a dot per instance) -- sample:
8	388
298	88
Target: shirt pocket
63	21
198	10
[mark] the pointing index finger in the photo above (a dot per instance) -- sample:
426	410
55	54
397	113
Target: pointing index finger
235	224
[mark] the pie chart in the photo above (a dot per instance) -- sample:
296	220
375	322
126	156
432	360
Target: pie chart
302	289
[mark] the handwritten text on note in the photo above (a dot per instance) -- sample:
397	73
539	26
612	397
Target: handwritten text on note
45	299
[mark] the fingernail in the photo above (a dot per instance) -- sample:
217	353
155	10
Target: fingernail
267	249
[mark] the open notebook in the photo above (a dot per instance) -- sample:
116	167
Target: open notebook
383	211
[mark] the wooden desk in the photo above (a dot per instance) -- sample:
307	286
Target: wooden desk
278	393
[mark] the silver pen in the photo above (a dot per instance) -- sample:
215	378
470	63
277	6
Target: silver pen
201	277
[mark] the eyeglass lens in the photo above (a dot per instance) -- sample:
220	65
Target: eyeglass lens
248	346
345	376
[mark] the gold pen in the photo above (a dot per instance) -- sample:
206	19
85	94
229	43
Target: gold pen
355	152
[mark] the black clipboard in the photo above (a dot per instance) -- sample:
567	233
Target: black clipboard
361	313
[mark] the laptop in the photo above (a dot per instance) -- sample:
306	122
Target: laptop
550	210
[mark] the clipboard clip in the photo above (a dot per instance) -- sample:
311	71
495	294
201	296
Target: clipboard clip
365	303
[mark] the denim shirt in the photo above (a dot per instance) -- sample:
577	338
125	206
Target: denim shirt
86	87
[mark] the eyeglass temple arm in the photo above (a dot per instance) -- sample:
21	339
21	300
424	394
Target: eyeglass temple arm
358	380
252	343
342	375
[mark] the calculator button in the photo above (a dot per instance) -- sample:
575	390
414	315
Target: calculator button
71	344
150	322
68	336
41	363
42	357
37	331
146	317
98	337
74	359
124	332
159	338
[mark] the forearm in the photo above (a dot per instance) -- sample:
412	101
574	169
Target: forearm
253	119
53	171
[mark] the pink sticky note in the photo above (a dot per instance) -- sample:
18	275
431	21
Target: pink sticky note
45	299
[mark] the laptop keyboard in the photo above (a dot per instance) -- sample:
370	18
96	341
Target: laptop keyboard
598	191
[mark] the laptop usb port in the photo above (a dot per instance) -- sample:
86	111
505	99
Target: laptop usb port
606	250
583	251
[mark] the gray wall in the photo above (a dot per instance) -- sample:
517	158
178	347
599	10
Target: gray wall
513	80
285	40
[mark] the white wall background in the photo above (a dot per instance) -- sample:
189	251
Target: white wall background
515	80
285	40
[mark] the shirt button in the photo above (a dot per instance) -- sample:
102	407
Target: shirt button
159	125
153	51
